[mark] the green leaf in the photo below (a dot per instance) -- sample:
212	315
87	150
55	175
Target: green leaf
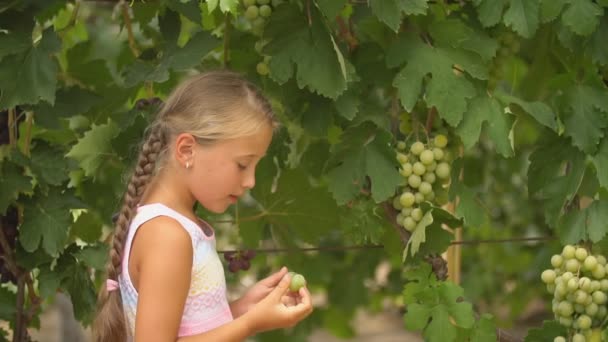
416	317
306	50
571	227
599	49
88	227
348	104
13	183
550	9
490	11
93	148
46	219
94	256
14	43
8	308
440	329
30	78
68	102
597	216
584	119
49	281
455	33
582	17
523	17
48	164
191	54
296	207
600	161
418	236
77	283
538	110
363	221
468	208
498	124
460	311
547	332
446	91
364	151
388	12
485	329
331	8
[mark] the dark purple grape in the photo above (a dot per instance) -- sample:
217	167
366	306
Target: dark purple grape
234	266
141	104
245	264
248	254
229	256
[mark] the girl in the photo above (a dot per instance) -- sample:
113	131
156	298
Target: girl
165	280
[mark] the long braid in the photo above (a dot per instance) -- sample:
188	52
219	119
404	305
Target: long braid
110	323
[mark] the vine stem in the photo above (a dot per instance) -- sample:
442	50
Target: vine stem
127	19
378	246
12	137
308	13
28	134
430	118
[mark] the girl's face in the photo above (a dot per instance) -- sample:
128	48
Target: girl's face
222	172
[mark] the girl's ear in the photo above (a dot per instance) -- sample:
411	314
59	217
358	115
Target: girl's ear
185	144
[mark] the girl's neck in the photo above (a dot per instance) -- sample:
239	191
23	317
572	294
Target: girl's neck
170	191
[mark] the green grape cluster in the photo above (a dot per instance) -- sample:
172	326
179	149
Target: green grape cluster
509	45
257	12
426	172
578	282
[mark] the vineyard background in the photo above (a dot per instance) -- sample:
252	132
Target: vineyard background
518	87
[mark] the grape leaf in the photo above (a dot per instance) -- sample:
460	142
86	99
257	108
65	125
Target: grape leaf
68	102
600	161
91	150
363	222
7	304
307	49
550	10
30	78
331	8
364	151
417	316
499	125
571	227
48	164
14	43
94	255
538	110
523	17
485	329
546	161
599	49
13	183
468	208
490	11
76	281
88	227
296	207
49	281
446	91
547	332
389	11
584	119
418	236
597	216
582	17
348	104
47	219
448	307
455	33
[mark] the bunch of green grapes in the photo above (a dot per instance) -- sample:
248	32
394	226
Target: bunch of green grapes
578	282
426	171
509	45
257	12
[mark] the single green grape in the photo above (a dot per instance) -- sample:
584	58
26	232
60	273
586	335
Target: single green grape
548	276
416	214
407	199
263	2
297	282
427	157
265	11
252	12
440	141
417	148
443	170
248	3
437	153
568	252
419	168
262	69
414	181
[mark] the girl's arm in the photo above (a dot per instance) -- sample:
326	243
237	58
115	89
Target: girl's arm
164	267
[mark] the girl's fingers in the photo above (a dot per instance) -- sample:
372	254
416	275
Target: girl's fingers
273	279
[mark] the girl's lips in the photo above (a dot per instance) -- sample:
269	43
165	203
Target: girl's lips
233	198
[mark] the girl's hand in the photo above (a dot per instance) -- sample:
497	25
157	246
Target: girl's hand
279	309
257	292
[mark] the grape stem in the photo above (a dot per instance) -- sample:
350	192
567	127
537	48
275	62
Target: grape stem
12	137
28	134
127	19
430	118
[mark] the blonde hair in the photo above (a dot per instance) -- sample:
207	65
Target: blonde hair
212	106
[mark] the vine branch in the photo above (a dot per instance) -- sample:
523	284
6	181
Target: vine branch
227	26
127	18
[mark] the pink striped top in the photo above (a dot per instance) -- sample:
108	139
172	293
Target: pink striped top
206	305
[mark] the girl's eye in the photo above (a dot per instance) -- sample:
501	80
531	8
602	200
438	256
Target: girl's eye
241	166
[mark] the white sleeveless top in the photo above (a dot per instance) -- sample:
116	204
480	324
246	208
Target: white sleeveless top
206	305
